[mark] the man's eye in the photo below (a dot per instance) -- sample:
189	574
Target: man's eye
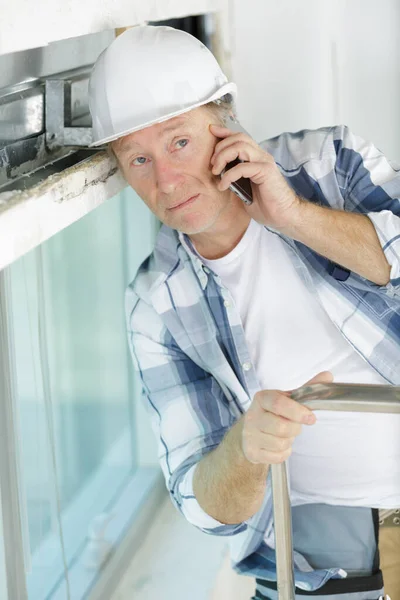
139	160
183	143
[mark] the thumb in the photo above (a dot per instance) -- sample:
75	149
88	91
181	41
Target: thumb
322	377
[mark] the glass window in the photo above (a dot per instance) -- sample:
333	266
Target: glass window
77	394
3	574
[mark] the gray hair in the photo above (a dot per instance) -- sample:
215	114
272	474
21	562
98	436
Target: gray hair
223	109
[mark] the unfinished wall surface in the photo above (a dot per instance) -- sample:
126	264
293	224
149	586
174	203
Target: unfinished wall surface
28	218
25	25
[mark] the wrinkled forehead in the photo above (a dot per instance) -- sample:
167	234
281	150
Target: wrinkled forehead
155	134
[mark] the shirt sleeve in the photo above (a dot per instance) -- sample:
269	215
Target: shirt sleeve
189	412
370	184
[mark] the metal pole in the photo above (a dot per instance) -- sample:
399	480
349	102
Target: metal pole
320	396
283	532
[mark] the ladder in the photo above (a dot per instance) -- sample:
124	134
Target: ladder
319	396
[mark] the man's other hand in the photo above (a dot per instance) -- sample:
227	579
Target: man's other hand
272	423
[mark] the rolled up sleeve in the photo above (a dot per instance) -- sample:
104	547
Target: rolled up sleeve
387	227
370	184
191	509
188	411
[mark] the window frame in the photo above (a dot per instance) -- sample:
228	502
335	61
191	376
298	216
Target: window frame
10	481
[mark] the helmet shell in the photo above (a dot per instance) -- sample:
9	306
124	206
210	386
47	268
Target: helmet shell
150	74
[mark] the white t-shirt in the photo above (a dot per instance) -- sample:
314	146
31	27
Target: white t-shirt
346	458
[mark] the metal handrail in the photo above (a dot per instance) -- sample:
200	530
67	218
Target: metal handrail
320	396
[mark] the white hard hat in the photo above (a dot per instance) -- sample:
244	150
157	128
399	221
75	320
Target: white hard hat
148	75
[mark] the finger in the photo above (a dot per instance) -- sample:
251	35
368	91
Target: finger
322	377
257	172
235	138
258	455
221	132
277	426
276	458
241	150
259	420
267	441
282	405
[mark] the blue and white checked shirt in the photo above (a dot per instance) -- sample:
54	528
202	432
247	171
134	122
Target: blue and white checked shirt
187	340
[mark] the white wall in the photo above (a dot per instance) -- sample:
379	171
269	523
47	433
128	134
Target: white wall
280	53
308	64
370	71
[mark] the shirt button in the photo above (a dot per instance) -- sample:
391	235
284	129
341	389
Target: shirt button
246	366
227	303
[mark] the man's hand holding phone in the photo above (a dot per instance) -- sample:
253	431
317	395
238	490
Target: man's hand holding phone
237	157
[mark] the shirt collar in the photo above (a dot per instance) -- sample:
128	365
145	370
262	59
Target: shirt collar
199	268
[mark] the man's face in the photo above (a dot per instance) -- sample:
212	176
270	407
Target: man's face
168	165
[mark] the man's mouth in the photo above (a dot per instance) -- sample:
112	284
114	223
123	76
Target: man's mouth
184	203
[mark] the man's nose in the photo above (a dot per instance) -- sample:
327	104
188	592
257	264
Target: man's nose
169	176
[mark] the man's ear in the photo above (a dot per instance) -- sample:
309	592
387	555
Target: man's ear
111	153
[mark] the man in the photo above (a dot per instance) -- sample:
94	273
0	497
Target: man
239	304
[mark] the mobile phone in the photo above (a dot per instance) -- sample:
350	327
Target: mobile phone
241	187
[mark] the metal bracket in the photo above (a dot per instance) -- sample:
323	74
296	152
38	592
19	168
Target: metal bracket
58	112
389	518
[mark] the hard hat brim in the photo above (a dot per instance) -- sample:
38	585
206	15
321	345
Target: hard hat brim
227	88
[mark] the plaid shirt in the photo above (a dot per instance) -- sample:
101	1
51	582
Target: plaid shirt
187	340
